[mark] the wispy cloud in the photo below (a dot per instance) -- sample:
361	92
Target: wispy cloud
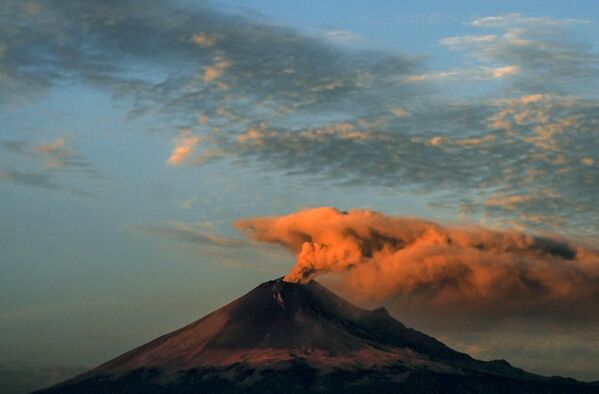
461	74
184	232
201	239
44	164
43	180
185	145
37	179
548	56
60	155
215	70
516	19
204	40
342	36
188	204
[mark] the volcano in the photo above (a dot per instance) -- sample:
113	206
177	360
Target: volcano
297	338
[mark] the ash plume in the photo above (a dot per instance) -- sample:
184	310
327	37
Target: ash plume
374	257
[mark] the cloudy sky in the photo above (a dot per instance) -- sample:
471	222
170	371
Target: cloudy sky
132	138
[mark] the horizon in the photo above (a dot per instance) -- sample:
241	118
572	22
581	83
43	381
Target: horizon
435	158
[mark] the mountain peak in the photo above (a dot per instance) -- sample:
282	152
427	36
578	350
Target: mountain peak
284	331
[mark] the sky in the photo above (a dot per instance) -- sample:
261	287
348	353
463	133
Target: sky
132	140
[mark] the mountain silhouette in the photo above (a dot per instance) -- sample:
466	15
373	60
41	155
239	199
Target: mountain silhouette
296	338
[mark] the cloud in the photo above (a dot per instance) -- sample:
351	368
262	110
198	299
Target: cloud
521	145
58	157
548	57
342	36
267	94
254	67
37	179
516	19
183	232
201	242
203	119
461	42
399	111
215	70
188	204
52	147
17	146
500	72
185	145
208	155
541	348
467	270
460	74
587	161
204	40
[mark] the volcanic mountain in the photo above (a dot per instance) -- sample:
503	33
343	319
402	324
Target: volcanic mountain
297	338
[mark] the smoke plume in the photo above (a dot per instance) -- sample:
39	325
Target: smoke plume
377	257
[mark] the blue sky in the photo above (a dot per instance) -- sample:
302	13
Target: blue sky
131	139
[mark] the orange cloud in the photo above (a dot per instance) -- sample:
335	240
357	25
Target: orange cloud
376	257
203	40
55	152
185	144
51	147
215	70
501	72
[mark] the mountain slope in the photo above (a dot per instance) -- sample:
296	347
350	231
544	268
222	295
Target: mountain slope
289	337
